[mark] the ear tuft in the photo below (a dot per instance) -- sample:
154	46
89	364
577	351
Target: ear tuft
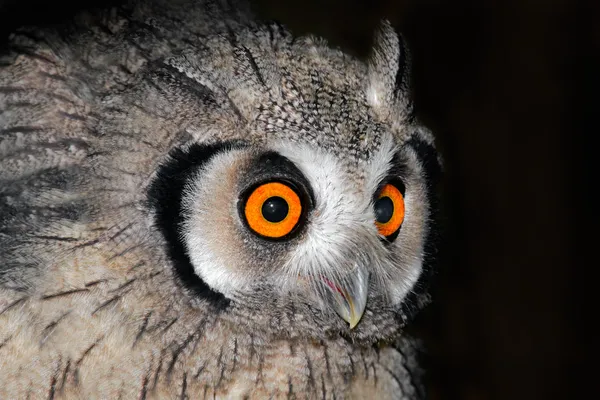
389	72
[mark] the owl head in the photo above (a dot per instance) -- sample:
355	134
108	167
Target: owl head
305	199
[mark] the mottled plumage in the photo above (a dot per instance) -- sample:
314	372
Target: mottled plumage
128	140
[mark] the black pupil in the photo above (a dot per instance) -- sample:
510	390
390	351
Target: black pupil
384	209
275	209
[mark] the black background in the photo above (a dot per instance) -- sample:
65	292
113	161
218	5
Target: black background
509	88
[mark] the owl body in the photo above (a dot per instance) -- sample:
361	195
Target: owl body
133	145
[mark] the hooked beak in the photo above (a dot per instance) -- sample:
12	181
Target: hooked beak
349	299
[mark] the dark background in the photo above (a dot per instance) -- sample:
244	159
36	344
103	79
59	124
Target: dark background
509	88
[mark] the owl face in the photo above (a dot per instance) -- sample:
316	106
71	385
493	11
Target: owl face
290	222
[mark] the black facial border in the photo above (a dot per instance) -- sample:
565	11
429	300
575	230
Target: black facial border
418	296
164	197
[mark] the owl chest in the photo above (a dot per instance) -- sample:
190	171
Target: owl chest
226	370
295	370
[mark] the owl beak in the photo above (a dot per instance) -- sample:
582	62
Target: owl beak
350	299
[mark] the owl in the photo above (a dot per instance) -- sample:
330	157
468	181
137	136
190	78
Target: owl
195	203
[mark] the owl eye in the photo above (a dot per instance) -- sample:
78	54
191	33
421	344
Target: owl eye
273	210
389	211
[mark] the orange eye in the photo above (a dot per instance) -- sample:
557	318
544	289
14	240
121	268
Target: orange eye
389	210
273	210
